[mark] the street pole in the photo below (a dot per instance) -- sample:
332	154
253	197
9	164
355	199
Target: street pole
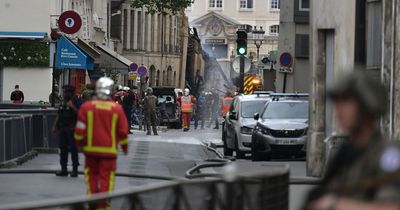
241	75
284	82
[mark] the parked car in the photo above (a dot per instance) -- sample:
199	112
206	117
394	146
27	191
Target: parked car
281	129
168	111
239	123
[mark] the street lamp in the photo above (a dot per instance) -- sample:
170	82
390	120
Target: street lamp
258	37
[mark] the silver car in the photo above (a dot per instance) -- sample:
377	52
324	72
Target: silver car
281	129
239	123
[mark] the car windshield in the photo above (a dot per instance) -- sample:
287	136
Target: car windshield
286	110
249	108
163	98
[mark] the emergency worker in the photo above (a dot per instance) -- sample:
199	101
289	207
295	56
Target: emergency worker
150	105
100	128
187	103
226	103
64	127
200	110
365	173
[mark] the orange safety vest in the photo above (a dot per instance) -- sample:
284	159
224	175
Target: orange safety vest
186	104
226	105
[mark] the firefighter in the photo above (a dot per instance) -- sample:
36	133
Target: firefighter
187	103
226	104
100	128
150	105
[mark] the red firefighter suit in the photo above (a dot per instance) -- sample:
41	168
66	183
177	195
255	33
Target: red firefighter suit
187	103
101	126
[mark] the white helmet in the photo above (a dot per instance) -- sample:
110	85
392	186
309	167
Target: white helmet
104	88
126	88
186	91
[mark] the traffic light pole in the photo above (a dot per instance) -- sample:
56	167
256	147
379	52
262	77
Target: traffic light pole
241	74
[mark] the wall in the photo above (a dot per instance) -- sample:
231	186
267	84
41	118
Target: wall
339	16
23	15
34	82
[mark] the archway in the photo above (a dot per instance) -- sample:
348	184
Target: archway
152	76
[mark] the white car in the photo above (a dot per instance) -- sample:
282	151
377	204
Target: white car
239	123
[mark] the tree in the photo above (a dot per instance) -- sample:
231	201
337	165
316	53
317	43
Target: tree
161	6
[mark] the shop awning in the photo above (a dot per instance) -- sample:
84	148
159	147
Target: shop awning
89	49
112	60
70	56
22	35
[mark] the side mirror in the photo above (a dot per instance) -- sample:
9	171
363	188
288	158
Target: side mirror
256	116
232	116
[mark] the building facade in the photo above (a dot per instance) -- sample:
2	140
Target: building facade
158	41
217	22
364	35
294	39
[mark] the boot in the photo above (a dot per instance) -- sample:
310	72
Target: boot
74	172
62	172
148	130
155	130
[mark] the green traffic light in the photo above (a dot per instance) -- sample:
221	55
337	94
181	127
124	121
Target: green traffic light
242	51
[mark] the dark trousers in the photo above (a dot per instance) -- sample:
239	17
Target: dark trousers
199	117
214	118
67	144
128	113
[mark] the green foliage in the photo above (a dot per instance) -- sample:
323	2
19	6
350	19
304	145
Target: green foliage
161	6
18	54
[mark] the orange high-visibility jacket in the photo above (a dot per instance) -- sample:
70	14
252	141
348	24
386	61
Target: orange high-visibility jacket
187	103
101	126
226	105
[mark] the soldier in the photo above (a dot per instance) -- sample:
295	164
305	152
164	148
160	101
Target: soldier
365	173
64	127
100	128
88	93
150	104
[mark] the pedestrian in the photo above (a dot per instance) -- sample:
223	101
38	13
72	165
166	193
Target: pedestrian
187	103
54	97
17	96
88	93
64	127
149	106
101	127
200	110
128	102
364	174
214	109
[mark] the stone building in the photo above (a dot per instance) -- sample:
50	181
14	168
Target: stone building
157	41
294	39
217	22
344	36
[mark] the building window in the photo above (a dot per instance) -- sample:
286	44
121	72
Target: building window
304	5
213	4
302	46
274	30
246	4
275	4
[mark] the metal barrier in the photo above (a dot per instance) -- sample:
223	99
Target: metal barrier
23	130
268	190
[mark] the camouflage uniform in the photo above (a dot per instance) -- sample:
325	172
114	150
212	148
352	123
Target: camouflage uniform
150	103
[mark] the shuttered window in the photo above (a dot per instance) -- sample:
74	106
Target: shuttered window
302	47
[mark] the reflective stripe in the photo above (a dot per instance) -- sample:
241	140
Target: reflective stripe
90	128
123	142
112	181
78	137
108	150
187	105
114	131
86	172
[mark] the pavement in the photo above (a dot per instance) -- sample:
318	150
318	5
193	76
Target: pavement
171	153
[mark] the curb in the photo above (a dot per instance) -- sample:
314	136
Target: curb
19	160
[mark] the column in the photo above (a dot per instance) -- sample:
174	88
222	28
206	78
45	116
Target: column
128	28
135	29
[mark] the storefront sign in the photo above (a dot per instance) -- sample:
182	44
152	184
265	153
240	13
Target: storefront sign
69	56
214	41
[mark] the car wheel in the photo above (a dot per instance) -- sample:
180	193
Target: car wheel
239	154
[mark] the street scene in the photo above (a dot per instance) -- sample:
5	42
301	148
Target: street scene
199	104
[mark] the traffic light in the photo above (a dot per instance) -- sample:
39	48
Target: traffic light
241	42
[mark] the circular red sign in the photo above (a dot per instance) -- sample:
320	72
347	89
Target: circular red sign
286	59
70	22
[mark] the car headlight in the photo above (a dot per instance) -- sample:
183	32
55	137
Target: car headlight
265	131
246	130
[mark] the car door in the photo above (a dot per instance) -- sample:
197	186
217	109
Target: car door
231	123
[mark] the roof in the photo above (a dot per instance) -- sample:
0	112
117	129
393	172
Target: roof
217	15
254	98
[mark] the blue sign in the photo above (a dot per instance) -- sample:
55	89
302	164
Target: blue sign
142	70
133	67
69	56
286	59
